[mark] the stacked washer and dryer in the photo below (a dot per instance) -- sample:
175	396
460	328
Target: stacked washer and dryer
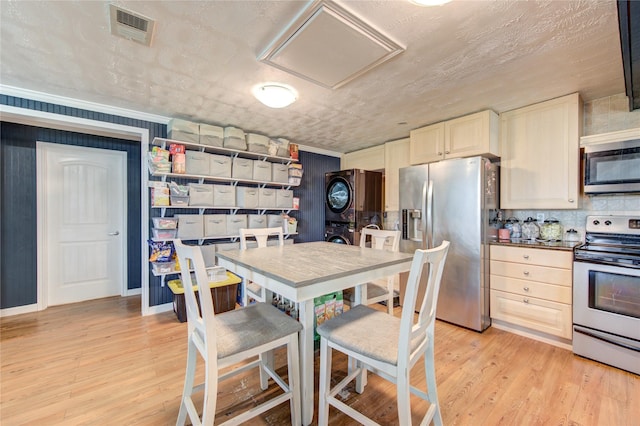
353	200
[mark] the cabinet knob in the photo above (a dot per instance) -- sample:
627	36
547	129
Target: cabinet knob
439	153
526	256
525	288
525	300
447	152
526	273
571	200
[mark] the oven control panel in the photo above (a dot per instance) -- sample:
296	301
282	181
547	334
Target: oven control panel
613	224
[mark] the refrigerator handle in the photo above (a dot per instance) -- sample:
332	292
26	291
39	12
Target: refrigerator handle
428	205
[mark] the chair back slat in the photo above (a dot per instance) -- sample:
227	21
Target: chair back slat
197	317
380	239
261	235
430	262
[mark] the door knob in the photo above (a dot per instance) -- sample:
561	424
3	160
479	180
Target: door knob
114	233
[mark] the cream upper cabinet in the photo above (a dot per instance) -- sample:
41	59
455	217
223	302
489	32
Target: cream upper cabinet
540	155
396	156
366	159
474	134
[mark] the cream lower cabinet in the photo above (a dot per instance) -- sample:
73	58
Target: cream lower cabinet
396	156
540	155
474	134
532	289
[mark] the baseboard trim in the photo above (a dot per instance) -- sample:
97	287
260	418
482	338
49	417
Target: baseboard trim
25	309
158	309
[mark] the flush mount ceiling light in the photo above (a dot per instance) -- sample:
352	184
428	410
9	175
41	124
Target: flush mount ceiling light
429	2
275	95
329	46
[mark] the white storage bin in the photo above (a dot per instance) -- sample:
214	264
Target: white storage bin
256	221
215	225
179	200
227	246
209	255
163	267
257	143
242	168
235	222
165	222
211	135
219	165
200	194
197	163
164	234
279	173
284	198
247	197
262	171
224	196
190	226
267	198
275	221
234	138
183	130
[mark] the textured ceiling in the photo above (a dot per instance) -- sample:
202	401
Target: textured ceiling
462	57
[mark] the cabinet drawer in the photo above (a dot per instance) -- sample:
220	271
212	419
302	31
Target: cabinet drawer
541	315
554	293
543	257
523	271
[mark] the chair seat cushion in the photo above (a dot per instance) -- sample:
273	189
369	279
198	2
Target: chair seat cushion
373	290
246	328
366	331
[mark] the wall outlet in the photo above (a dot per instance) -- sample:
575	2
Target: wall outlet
540	217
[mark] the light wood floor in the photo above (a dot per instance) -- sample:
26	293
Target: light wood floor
101	363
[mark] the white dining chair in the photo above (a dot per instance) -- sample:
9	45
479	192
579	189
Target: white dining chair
381	290
386	345
261	235
232	338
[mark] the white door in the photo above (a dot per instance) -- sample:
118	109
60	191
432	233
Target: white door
81	193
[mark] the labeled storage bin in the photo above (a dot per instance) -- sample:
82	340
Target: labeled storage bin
275	221
234	138
219	165
183	130
257	143
284	198
197	163
164	234
279	173
190	226
211	135
256	221
215	225
267	198
247	197
201	194
242	168
165	222
262	171
163	267
179	200
279	147
235	222
224	196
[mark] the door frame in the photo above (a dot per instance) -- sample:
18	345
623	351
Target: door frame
101	128
42	195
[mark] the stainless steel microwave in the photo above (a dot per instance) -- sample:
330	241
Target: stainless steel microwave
612	167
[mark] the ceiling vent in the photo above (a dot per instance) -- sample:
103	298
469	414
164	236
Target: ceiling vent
330	46
131	25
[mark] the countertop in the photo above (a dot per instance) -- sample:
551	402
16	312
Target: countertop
555	245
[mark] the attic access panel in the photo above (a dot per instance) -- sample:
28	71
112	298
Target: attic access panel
329	46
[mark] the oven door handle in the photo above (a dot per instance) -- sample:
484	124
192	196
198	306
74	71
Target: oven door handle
595	336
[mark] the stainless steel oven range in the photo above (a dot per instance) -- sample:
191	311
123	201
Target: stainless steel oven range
606	292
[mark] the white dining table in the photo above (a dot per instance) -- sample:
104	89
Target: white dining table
302	272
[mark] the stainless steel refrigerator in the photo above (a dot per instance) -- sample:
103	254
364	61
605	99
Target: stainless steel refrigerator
452	200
